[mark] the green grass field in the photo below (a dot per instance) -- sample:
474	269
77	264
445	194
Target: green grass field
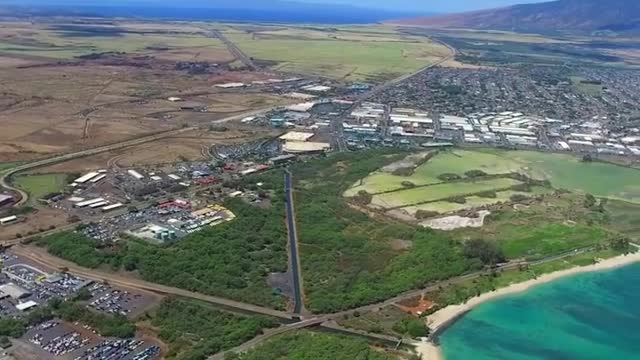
440	191
625	217
569	172
444	207
8	165
357	54
54	44
585	88
449	162
38	186
564	171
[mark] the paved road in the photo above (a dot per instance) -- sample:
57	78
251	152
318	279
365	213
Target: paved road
235	50
294	262
41	257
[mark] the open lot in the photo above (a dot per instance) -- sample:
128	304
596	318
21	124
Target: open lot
355	54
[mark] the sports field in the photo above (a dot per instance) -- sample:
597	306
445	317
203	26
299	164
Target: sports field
40	185
355	54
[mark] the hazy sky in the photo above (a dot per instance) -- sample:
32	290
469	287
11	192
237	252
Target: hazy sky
430	5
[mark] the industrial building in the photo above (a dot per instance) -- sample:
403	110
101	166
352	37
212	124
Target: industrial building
13	291
8	220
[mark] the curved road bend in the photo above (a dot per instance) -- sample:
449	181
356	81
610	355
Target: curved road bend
42	258
294	262
4	180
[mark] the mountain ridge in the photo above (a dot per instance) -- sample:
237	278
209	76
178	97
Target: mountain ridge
559	15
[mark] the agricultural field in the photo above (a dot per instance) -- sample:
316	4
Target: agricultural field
355	54
40	185
458	180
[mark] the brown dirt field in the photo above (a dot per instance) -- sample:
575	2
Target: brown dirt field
416	306
186	146
194	54
8	61
42	219
45	109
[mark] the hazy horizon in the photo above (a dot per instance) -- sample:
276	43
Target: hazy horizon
396	6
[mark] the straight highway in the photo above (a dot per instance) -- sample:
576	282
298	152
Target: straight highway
294	261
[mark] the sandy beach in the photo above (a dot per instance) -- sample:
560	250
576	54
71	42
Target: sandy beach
446	316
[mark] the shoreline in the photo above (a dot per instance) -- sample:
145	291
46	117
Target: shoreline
447	316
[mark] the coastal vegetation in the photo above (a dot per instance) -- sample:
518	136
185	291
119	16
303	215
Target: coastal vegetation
317	346
195	330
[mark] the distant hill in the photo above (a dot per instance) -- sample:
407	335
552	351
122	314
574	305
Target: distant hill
561	15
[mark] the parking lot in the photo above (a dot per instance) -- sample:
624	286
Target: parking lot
29	284
57	339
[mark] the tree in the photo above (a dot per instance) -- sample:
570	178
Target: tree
620	243
487	251
589	201
587	158
83	295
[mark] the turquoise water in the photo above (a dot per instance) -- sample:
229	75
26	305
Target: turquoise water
590	316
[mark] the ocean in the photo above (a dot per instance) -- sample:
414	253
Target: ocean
292	13
592	316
